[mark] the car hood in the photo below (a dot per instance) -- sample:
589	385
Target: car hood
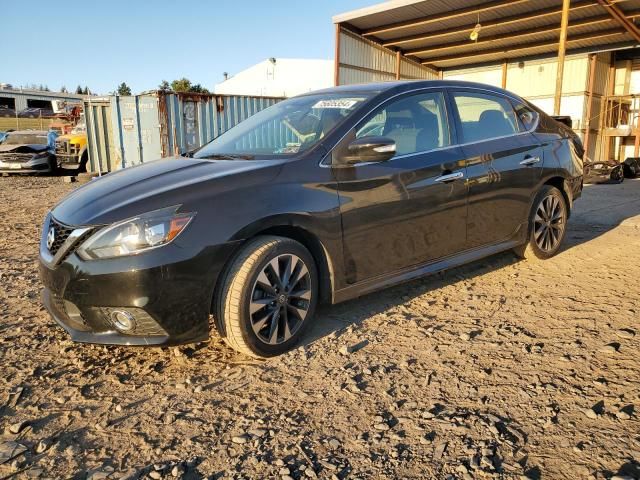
24	148
151	186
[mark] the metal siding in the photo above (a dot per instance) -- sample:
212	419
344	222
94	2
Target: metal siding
412	70
362	61
488	75
537	78
602	73
126	131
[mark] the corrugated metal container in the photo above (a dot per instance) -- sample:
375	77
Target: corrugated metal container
126	131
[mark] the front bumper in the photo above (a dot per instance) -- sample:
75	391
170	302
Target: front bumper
37	165
168	291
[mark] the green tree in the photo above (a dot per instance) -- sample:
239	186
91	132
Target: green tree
181	85
197	88
123	89
79	90
63	89
164	86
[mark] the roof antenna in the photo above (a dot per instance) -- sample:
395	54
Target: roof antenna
473	36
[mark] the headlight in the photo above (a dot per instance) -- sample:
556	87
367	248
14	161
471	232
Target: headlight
136	235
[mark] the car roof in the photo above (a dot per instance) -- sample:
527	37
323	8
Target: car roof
399	86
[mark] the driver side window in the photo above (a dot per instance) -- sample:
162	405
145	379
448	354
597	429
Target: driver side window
417	123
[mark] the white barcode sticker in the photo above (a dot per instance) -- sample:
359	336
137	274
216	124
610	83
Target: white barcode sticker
341	103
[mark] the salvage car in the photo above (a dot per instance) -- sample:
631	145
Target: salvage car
28	151
308	201
36	112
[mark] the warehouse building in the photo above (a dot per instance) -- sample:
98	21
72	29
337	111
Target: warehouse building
576	58
279	77
18	99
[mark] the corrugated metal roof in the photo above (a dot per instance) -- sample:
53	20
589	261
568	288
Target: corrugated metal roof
434	31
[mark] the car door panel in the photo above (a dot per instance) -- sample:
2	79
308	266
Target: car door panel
398	214
408	210
501	176
504	163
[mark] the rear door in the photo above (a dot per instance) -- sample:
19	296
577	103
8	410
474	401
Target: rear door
410	209
504	164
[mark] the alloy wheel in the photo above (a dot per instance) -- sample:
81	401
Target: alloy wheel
549	223
280	299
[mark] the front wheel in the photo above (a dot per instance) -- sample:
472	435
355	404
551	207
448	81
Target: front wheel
547	225
268	296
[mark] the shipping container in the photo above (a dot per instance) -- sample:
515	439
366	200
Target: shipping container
123	131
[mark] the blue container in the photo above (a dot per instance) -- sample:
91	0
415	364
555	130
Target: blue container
126	131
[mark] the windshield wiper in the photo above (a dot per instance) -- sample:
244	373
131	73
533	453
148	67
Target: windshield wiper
227	156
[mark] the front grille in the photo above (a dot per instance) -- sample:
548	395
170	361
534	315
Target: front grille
16	157
61	233
62	147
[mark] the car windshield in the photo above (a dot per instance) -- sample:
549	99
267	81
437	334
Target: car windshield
286	128
26	139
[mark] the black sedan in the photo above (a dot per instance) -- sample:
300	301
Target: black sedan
320	198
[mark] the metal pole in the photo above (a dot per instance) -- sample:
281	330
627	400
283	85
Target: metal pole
587	120
505	64
336	73
561	53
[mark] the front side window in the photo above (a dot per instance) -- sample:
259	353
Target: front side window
483	117
286	128
417	123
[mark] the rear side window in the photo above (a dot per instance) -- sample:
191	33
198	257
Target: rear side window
483	117
526	116
417	123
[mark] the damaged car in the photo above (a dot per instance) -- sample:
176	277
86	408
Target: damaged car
28	151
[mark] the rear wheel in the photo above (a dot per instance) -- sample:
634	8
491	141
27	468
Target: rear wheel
547	225
268	296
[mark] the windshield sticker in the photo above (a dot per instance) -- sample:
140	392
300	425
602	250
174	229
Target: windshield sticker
341	103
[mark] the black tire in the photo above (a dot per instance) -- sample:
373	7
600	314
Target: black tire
617	174
53	166
546	233
82	166
252	283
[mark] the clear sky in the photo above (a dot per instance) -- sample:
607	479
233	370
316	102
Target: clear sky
100	43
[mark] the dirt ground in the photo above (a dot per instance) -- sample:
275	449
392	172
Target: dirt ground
500	369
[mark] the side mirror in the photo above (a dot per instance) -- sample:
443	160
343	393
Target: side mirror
370	149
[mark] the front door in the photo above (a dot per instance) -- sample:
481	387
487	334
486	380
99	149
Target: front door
504	164
410	209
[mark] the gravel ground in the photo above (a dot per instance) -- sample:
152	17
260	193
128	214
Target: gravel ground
500	369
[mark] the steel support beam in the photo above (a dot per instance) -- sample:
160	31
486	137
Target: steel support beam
488	24
484	7
336	73
522	34
620	17
524	46
562	49
592	76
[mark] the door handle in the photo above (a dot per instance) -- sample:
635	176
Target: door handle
450	177
528	161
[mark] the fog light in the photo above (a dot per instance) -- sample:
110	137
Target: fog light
123	321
